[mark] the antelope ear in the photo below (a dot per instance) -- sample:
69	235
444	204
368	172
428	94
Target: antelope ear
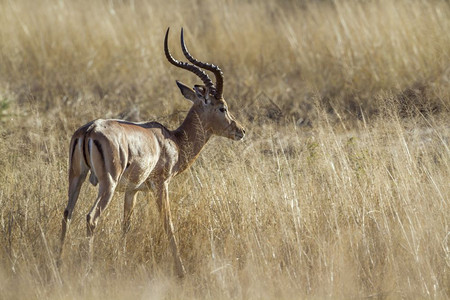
187	92
202	93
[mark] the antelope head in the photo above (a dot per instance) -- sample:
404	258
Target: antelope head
208	102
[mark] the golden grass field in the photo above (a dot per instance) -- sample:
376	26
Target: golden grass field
340	190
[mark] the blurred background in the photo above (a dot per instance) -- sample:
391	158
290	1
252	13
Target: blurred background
339	190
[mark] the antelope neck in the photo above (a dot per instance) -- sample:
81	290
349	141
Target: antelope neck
190	137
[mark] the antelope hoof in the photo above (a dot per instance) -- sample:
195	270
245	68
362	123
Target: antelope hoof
181	271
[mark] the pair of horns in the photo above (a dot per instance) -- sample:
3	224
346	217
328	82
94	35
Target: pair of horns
216	90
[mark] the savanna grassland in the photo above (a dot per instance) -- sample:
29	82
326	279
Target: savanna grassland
341	188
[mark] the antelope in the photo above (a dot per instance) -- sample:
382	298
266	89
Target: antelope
131	157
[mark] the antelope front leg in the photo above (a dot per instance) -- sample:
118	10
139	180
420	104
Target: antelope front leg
164	210
130	200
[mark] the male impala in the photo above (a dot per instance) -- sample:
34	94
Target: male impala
134	157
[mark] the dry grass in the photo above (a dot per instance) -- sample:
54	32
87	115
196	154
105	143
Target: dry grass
340	190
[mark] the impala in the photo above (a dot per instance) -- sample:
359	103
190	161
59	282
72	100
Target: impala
132	157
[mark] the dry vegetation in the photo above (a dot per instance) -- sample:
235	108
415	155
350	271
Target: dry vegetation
340	190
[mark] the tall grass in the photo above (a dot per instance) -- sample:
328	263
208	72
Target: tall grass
340	189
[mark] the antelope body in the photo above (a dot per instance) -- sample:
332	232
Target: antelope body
132	157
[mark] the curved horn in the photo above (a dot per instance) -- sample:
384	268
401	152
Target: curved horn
197	71
210	67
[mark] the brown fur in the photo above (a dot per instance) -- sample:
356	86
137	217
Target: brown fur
133	157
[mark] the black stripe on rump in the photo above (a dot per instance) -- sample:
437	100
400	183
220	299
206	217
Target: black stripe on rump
84	151
99	148
73	149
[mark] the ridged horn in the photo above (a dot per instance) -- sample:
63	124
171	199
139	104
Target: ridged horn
210	67
197	71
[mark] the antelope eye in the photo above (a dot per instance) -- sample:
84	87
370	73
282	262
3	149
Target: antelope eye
223	109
